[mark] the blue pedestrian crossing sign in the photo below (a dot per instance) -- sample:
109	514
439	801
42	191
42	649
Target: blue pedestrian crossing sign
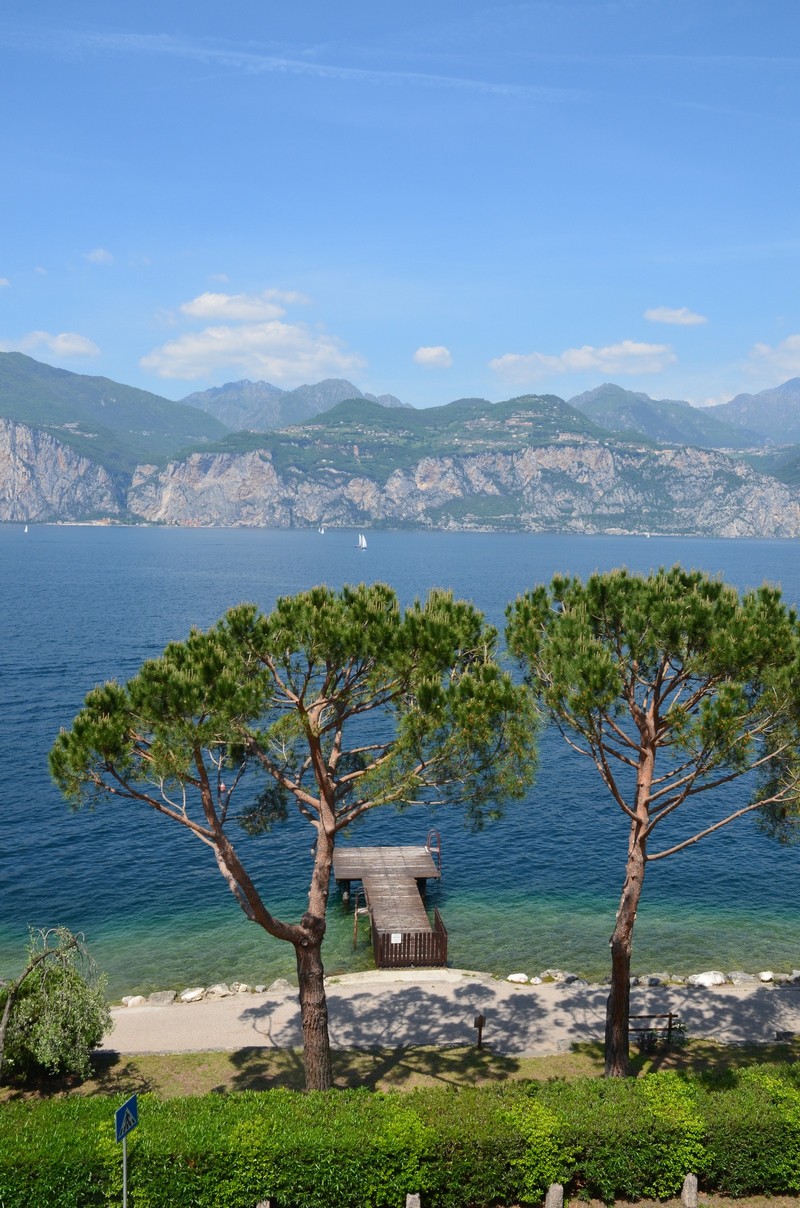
126	1118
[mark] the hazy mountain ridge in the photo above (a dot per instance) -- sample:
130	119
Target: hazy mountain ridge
770	417
664	421
261	407
774	413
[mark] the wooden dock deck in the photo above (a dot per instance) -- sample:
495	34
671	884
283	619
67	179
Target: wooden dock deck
394	880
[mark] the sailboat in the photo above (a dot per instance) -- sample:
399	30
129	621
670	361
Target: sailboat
362	541
321	529
26	528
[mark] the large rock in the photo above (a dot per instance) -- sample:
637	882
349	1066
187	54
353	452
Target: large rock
738	978
280	986
712	977
193	994
161	998
219	990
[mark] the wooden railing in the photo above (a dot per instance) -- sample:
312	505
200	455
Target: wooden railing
406	949
665	1028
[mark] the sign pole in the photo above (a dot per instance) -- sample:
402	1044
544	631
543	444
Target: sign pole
125	1119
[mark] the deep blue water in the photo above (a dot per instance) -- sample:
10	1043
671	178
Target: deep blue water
540	888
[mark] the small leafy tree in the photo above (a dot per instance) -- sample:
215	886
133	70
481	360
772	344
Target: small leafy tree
340	702
672	685
55	1012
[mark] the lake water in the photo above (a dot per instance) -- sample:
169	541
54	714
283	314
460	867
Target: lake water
538	889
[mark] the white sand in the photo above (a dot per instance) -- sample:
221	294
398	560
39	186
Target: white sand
388	1009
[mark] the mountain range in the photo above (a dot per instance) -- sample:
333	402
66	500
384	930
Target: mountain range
248	453
260	407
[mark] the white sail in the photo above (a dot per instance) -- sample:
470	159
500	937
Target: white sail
362	541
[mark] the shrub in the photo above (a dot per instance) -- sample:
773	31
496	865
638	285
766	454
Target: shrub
753	1126
548	1157
468	1148
630	1139
58	1009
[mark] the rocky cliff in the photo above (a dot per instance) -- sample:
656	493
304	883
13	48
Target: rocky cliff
43	479
574	483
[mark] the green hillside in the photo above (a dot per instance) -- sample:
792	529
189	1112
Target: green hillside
782	463
117	426
361	436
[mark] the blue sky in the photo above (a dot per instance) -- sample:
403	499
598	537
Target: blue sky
435	200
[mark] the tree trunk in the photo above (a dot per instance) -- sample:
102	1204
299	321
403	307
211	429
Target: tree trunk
617	1054
10	996
314	1014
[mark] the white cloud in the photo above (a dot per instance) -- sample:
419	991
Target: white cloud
4	281
783	359
270	304
434	357
627	356
41	271
679	316
273	350
66	344
99	255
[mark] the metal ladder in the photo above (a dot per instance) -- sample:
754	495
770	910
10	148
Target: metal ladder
360	908
433	844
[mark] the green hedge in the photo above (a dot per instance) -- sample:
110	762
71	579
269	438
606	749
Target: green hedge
468	1148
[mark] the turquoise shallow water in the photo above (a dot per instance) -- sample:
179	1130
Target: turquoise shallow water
538	889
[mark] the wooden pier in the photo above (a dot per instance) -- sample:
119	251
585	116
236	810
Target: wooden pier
394	880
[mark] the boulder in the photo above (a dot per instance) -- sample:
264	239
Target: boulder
280	986
218	990
711	977
161	998
738	978
520	978
766	976
193	994
134	1000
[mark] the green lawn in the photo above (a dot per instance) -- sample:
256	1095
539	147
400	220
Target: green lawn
381	1069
